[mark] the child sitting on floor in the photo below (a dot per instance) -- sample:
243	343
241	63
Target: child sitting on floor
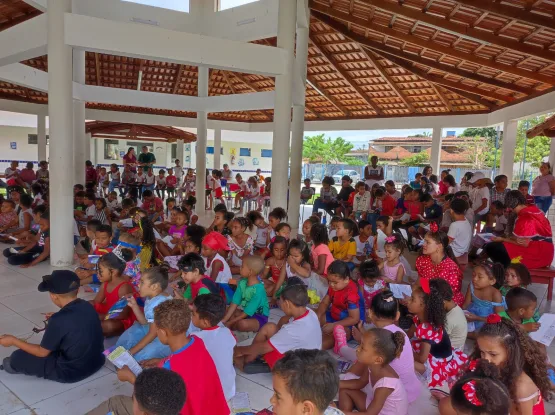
343	246
370	282
239	242
206	313
132	246
460	232
298	329
113	287
189	359
176	235
34	252
341	304
140	339
516	275
521	307
83	247
364	242
262	230
72	345
455	320
320	252
305	383
249	309
275	217
193	273
392	268
378	349
274	265
8	216
217	267
101	245
482	296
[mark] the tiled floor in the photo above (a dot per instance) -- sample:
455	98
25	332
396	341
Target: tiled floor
21	308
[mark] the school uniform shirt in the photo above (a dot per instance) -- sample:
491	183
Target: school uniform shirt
90	211
225	272
115	176
396	195
363	248
140	178
456	327
178	171
341	250
477	197
303	332
74	338
500	223
160	181
112	205
149	180
373	171
219	342
204	390
251	299
343	300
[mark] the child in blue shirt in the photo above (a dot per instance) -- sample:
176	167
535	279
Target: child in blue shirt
141	338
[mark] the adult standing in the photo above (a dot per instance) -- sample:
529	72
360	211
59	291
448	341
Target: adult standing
227	177
543	188
428	171
373	173
531	243
146	159
130	159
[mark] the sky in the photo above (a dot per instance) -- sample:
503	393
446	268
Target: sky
183	5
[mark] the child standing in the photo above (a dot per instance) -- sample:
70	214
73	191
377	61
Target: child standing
433	354
274	265
370	283
113	287
216	266
239	243
392	268
343	246
206	313
141	339
115	178
378	349
482	296
171	182
460	232
217	185
161	184
321	254
341	304
249	309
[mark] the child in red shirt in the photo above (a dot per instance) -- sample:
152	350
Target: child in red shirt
171	183
388	203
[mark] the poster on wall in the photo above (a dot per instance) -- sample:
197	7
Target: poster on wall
13	145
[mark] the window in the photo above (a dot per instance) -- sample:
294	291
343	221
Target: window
266	153
33	139
178	5
174	151
111	149
416	149
228	4
245	152
209	150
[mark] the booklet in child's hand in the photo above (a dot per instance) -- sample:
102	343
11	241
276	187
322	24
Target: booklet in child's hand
121	357
116	309
399	289
546	333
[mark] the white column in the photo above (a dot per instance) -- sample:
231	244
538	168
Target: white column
202	120
92	148
60	109
282	108
87	147
552	152
508	147
435	158
179	154
297	127
217	148
79	139
41	137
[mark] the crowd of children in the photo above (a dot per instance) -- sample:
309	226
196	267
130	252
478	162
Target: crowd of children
176	295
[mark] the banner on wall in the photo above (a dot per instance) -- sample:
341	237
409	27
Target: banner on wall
13	145
232	154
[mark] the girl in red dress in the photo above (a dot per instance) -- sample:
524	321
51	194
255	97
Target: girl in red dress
434	357
438	261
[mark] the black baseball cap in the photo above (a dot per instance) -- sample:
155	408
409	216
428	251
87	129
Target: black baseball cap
60	282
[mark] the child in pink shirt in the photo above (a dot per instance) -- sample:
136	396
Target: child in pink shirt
321	254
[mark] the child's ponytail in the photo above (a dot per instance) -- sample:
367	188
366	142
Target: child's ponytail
388	344
399	341
433	301
480	391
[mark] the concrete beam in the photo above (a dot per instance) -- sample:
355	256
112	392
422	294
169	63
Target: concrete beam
24	75
150	42
23	41
37	4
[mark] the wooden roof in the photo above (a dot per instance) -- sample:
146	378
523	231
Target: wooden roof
546	129
116	130
367	59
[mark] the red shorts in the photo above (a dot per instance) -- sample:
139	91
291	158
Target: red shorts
241	194
272	357
218	192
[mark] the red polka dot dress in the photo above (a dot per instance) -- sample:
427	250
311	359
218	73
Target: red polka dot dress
447	270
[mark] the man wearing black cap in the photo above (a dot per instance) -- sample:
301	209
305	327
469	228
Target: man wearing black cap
72	345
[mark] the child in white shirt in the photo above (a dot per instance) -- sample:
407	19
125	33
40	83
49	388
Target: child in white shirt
460	232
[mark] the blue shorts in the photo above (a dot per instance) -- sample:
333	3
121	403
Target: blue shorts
261	318
95	279
329	319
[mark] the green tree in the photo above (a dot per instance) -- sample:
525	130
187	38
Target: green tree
419	159
536	148
319	149
488	133
424	134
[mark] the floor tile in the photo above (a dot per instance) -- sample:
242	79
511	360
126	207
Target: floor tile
25	411
28	301
9	402
83	397
15	285
262	379
259	396
15	324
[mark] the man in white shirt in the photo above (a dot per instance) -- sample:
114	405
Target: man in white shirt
298	329
480	196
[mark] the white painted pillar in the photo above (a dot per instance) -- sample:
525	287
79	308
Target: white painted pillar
41	137
552	153
79	134
180	152
202	133
508	147
435	158
60	110
297	127
217	148
282	109
92	149
87	147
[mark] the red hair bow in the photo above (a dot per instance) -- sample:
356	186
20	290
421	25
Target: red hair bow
469	389
434	227
493	319
425	284
473	365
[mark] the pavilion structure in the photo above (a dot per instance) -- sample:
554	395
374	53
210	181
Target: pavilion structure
286	66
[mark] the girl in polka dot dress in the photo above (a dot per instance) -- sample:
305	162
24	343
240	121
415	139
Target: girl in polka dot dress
434	357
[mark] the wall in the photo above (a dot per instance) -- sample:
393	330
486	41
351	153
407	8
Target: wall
24	151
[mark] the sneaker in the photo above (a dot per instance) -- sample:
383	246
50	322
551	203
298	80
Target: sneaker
7	367
13	251
340	337
257	366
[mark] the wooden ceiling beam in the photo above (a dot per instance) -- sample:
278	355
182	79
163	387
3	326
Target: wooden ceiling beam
255	89
540	128
510	12
314	84
328	15
177	79
97	65
19	19
392	84
481	35
442	81
379	47
443	97
346	76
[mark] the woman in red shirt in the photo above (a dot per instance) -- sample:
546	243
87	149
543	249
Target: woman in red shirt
438	261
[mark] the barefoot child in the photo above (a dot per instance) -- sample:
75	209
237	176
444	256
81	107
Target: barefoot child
141	339
249	308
